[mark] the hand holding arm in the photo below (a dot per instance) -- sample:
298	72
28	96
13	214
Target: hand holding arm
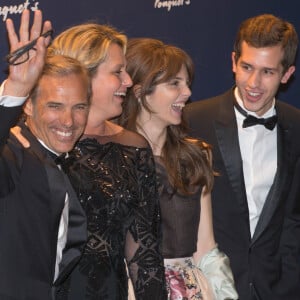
17	132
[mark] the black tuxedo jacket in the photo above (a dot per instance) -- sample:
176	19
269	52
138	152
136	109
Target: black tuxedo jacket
8	118
32	197
266	266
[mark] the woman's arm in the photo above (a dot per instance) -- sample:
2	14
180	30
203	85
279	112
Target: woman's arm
217	281
206	239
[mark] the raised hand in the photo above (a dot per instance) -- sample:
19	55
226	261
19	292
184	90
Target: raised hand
25	71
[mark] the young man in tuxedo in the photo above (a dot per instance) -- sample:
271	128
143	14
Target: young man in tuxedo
256	151
42	225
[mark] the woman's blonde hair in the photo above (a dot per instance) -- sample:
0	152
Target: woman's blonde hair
88	43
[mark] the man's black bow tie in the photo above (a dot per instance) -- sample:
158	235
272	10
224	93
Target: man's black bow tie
250	120
58	159
269	123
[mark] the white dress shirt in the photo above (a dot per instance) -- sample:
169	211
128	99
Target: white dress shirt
10	101
258	147
63	226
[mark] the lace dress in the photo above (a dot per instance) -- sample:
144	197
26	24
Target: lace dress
114	177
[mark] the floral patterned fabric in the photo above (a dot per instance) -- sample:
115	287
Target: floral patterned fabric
116	187
182	279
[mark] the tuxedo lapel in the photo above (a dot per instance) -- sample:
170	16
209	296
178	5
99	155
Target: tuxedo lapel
59	185
275	193
77	234
58	195
227	139
56	186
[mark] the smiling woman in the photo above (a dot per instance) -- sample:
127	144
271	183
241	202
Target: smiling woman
161	76
112	171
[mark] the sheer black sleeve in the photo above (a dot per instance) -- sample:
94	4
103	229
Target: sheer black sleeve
143	253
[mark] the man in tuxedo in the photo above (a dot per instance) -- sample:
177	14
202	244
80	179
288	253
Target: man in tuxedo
42	225
256	151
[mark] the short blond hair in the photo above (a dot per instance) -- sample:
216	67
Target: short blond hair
61	66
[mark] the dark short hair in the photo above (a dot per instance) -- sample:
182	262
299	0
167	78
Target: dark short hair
267	31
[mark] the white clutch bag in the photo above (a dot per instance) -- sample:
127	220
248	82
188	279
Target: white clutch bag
216	268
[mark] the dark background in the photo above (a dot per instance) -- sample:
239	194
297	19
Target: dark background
204	28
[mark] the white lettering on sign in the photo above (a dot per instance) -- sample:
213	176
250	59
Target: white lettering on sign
7	10
169	4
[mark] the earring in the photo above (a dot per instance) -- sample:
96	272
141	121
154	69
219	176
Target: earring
139	100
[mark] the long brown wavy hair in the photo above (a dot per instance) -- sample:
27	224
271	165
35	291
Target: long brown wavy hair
149	63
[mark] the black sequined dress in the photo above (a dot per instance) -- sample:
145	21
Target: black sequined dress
114	177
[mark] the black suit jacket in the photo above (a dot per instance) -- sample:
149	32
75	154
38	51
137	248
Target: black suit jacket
266	266
32	197
8	117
